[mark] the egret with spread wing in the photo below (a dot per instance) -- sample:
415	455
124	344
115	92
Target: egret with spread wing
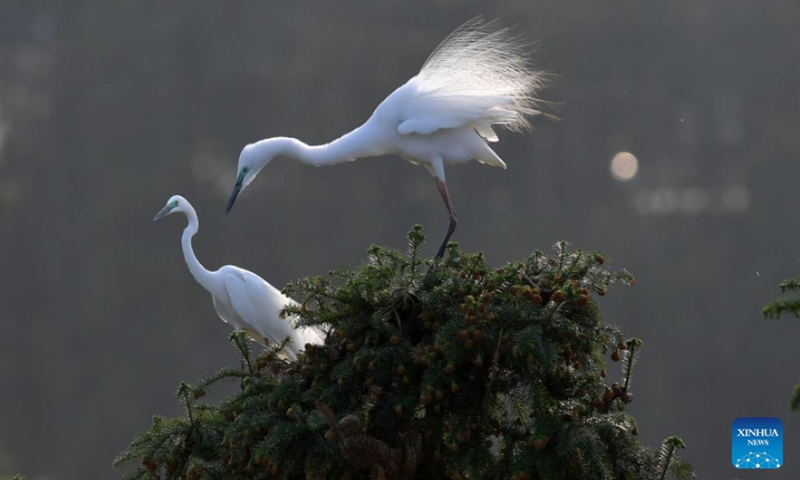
476	79
242	299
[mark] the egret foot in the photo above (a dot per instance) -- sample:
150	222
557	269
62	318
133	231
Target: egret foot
450	229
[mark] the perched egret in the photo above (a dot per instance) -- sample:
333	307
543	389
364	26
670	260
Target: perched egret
242	299
477	78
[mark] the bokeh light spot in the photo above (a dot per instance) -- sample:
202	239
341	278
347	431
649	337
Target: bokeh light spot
624	166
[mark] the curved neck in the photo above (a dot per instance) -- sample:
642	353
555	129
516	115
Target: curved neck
199	272
361	142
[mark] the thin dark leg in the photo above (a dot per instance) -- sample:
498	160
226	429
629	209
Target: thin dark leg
452	214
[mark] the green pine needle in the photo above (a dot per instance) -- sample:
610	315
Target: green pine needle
794	401
429	369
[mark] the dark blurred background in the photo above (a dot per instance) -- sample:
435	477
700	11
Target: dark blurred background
109	108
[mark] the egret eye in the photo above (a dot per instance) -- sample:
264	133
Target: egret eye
172	204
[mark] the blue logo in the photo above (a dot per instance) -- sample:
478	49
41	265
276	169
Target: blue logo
757	443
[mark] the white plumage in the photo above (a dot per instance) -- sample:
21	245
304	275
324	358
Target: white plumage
477	78
241	298
478	75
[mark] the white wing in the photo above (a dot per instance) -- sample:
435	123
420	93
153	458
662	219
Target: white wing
234	320
477	76
257	303
227	316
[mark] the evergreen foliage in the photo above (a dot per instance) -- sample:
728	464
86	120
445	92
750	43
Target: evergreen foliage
778	307
429	370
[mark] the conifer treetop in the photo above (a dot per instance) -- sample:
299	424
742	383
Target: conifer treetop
449	369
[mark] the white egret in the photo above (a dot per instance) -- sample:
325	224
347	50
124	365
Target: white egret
242	299
477	78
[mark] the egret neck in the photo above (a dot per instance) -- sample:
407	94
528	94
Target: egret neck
359	143
203	276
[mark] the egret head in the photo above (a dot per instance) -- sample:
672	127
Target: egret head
252	159
174	204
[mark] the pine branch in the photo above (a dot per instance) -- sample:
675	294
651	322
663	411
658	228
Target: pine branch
682	470
366	453
184	393
790	285
668	455
628	361
794	401
416	239
776	308
240	341
459	371
220	375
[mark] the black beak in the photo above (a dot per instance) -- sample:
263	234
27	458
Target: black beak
232	199
162	213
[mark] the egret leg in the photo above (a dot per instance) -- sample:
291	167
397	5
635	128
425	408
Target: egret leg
452	214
